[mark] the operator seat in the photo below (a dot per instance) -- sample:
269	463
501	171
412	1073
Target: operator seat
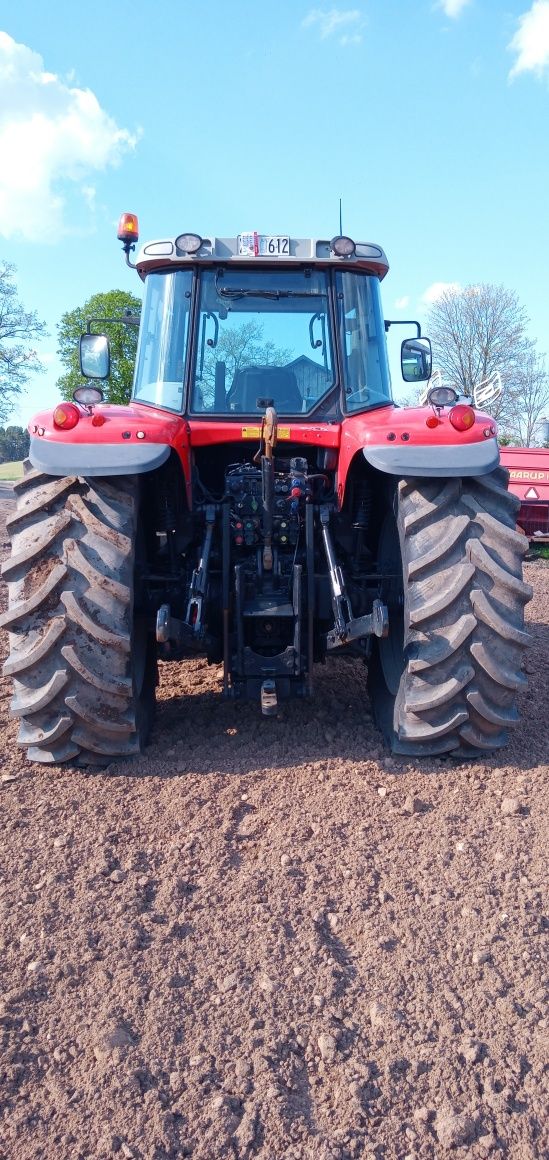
276	383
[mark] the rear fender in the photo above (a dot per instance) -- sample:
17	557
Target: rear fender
88	459
397	441
129	440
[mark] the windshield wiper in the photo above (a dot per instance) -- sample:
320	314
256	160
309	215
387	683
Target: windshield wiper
230	292
245	292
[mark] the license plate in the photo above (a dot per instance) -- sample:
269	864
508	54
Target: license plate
253	245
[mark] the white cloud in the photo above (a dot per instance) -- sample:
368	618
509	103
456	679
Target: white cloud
89	193
453	8
52	137
333	21
402	303
531	41
437	289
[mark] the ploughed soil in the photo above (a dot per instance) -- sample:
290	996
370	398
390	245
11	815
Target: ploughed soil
265	938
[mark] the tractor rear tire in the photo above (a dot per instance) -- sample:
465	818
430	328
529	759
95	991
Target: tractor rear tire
81	658
446	678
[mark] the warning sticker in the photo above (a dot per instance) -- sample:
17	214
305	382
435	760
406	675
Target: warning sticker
255	432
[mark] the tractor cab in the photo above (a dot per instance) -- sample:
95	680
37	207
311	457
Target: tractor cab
237	321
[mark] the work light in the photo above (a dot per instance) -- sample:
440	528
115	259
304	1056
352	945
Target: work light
88	396
442	396
342	247
188	243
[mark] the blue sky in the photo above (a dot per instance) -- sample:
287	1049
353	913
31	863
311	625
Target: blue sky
429	119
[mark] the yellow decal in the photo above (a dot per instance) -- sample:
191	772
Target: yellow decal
255	433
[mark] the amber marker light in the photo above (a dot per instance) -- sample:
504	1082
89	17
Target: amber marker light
462	417
128	228
66	416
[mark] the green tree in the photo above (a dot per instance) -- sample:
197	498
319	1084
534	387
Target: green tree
18	327
14	444
122	339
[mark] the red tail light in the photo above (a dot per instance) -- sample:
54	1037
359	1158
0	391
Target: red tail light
66	416
462	417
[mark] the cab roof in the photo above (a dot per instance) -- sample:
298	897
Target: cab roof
155	254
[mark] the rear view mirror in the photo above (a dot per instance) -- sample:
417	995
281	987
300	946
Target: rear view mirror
95	359
416	359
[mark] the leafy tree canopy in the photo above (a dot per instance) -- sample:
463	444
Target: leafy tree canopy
18	328
122	339
14	444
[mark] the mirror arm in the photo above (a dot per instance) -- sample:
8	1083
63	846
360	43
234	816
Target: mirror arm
127	319
403	322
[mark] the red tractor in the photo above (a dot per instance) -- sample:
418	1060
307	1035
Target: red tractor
262	501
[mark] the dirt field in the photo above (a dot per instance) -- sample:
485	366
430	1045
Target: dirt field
266	939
